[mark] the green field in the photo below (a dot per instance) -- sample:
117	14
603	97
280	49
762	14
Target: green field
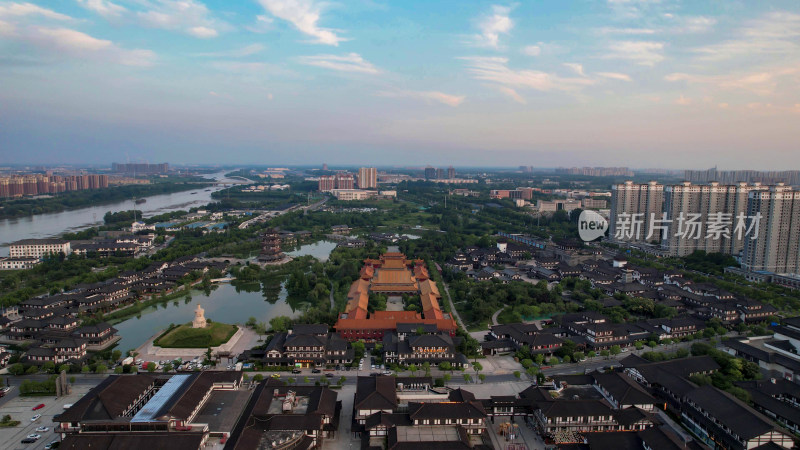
184	336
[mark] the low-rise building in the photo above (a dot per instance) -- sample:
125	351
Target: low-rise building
38	248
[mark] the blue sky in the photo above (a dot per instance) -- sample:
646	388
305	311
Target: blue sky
643	83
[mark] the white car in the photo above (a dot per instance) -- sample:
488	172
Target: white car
34	436
35	418
50	445
43	429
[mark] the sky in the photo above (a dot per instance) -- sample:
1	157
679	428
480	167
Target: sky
639	83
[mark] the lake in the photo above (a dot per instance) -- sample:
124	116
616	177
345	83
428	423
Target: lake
226	303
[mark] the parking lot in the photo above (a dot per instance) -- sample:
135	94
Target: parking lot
21	408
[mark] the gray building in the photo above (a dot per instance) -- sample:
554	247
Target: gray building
777	246
636	203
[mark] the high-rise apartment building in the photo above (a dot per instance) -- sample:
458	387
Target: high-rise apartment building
703	217
776	247
451	172
430	173
633	206
345	181
327	183
367	178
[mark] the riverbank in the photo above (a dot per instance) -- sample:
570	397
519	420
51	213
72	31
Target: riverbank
23	207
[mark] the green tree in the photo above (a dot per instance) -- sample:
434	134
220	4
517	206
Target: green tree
116	355
306	380
49	367
446	377
118	370
280	323
426	366
258	377
100	368
63	368
85	369
477	367
526	363
167	367
16	369
482	377
413	369
251	322
517	374
615	350
261	329
467	378
290	380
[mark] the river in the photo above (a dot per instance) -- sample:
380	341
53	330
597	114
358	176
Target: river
54	224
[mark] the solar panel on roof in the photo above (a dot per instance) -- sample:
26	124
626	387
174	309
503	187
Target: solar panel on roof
154	405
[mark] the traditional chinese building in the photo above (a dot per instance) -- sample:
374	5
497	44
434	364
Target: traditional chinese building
392	274
270	246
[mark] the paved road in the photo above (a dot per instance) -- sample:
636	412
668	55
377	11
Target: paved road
497	313
452	306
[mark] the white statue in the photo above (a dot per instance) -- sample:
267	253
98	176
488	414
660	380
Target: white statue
199	318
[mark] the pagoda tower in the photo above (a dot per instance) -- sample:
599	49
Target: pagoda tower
270	246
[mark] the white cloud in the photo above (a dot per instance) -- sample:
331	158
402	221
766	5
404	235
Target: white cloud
683	101
493	25
262	25
532	50
512	94
105	8
435	96
645	53
694	24
203	32
351	62
78	44
189	16
247	50
304	15
763	82
496	70
11	10
628	31
615	76
575	67
776	34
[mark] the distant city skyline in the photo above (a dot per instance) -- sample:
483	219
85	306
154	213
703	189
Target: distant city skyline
669	84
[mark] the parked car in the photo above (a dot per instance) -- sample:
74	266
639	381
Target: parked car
43	429
34	436
36	417
50	445
329	375
28	441
296	371
316	371
39	406
276	375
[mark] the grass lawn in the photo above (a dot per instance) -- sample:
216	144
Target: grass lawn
185	336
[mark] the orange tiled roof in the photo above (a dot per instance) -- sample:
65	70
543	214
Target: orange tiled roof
390	324
429	287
